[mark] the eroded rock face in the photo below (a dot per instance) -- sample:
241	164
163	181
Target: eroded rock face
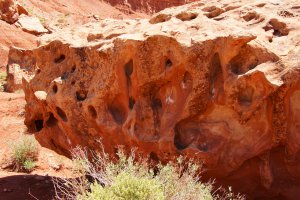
213	81
149	6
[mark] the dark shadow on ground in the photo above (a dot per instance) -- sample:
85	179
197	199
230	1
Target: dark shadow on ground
19	187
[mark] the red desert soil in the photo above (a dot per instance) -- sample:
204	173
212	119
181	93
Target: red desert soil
38	183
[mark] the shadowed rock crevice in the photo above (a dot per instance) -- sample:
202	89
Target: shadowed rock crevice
59	59
52	121
39	125
118	111
184	135
62	114
81	95
92	112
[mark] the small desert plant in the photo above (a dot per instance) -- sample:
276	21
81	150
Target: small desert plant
3	77
132	178
24	153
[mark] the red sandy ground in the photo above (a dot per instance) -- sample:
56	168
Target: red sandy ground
15	186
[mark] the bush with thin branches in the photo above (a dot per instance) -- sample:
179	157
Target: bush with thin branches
132	178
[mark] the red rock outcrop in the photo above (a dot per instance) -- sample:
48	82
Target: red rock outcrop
213	81
10	11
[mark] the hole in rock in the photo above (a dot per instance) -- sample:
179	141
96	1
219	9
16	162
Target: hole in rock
60	59
38	71
64	76
236	65
270	39
212	11
250	16
73	69
168	63
245	96
131	102
92	112
61	114
118	111
81	95
73	82
160	18
129	68
52	121
186	16
39	125
54	88
156	104
185	134
187	78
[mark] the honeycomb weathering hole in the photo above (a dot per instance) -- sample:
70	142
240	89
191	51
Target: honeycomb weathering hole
118	111
186	16
168	63
81	95
52	121
73	69
156	104
61	114
183	136
54	89
129	68
92	112
131	103
39	125
160	18
59	59
245	96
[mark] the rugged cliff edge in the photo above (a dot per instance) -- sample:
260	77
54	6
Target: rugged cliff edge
214	81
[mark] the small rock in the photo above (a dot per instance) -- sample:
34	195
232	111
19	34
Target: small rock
7	190
31	24
96	17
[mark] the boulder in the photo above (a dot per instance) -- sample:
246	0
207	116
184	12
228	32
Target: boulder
211	81
31	25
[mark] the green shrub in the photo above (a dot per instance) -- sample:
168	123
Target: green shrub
3	77
29	165
24	153
126	186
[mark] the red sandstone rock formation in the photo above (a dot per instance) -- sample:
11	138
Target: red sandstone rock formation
10	11
213	81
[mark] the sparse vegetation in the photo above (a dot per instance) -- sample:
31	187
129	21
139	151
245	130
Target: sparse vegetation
25	152
132	178
3	77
